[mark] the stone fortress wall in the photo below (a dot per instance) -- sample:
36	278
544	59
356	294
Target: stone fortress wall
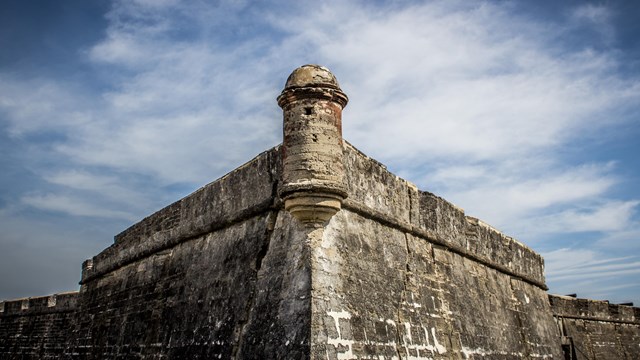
593	329
37	327
405	274
312	250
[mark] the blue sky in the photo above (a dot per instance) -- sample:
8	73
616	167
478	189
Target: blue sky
525	114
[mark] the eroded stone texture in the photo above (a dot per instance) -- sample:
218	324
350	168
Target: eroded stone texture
401	273
596	329
190	301
219	274
279	323
374	191
371	185
381	292
36	328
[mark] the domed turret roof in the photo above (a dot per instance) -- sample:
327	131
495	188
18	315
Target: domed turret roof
311	76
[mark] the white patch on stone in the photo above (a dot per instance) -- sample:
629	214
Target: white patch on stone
413	303
483	352
439	348
407	328
337	315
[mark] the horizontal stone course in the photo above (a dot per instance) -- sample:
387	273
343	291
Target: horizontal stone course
375	191
37	328
596	329
62	302
597	310
245	192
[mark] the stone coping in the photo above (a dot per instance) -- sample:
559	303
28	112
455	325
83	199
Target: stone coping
593	310
376	193
372	190
243	193
55	303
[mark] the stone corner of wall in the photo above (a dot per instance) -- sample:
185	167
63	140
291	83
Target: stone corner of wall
167	217
246	190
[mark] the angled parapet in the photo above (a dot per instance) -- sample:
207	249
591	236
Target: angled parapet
313	172
503	252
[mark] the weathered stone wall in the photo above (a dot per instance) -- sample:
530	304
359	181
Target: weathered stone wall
398	273
403	274
596	329
393	201
38	327
219	274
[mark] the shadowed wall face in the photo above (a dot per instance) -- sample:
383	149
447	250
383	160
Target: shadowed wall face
37	328
225	277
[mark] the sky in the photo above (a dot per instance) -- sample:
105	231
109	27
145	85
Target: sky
525	114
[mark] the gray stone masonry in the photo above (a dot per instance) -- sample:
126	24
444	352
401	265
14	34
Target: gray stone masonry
37	327
594	329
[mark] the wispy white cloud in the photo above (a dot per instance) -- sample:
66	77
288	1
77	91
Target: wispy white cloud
73	206
597	17
82	180
535	197
99	185
592	273
627	239
601	273
610	216
41	105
